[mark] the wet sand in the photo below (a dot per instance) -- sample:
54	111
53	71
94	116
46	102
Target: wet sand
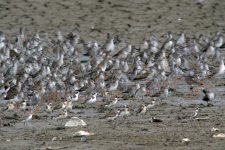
137	20
95	18
132	132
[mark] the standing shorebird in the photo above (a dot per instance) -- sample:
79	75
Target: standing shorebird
28	119
190	80
152	104
141	92
110	46
112	115
74	97
23	105
142	109
112	103
220	71
62	116
195	113
69	105
10	106
93	98
125	112
49	108
209	96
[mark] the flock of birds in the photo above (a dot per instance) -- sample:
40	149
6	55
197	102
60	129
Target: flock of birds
35	66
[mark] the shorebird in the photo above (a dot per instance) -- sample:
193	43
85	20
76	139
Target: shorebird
75	97
23	105
195	113
218	42
141	92
93	98
5	89
69	105
181	40
64	105
62	116
112	115
49	108
190	80
220	71
28	119
112	103
169	43
125	112
209	96
113	86
142	109
10	106
110	46
152	104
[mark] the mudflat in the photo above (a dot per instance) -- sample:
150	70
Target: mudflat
95	18
136	20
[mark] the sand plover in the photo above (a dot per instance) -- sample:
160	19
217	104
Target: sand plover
93	98
62	116
49	108
142	109
125	112
10	106
113	116
23	105
75	97
195	113
152	104
112	103
69	105
28	119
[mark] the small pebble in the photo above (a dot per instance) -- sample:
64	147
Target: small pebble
54	138
8	140
83	139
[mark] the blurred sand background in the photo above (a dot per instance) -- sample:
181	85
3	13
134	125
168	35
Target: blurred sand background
95	18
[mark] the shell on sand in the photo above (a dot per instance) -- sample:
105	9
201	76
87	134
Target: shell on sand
82	133
185	140
74	122
220	135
